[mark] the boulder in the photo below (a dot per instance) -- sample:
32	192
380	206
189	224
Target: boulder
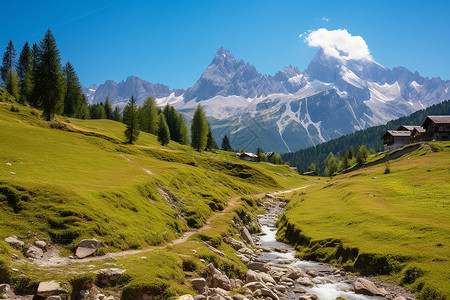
268	293
200	297
15	242
308	297
199	284
34	252
244	258
246	236
251	276
246	251
305	281
311	272
87	247
367	287
253	286
399	298
50	288
53	298
236	283
108	276
294	273
216	279
266	278
185	297
4	288
40	244
239	297
258	266
280	288
215	250
234	243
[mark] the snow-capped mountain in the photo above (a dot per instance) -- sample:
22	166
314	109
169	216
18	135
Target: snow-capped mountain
291	109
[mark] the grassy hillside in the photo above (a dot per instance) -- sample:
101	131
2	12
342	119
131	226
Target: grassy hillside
371	137
393	224
80	180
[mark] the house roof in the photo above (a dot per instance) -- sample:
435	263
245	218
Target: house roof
407	127
396	133
436	120
250	154
418	129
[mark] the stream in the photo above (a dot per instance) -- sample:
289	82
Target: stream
328	281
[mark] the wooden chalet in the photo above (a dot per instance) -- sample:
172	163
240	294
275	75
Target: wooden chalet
437	128
418	134
247	156
310	173
268	155
394	139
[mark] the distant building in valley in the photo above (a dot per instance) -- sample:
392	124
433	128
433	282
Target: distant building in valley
394	139
247	156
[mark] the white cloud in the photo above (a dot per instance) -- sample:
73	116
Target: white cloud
338	43
325	19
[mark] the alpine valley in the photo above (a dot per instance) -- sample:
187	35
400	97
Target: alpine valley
290	110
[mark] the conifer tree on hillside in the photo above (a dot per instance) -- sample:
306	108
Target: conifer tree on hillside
331	165
73	96
361	155
276	159
48	81
183	131
84	109
117	115
148	116
210	141
32	98
108	109
97	111
25	72
172	121
131	119
9	61
199	129
260	154
226	146
312	167
163	130
12	84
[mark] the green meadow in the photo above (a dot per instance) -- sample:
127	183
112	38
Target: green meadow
396	225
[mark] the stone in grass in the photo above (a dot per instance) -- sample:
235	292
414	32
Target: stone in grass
50	288
34	252
40	244
87	247
15	242
185	297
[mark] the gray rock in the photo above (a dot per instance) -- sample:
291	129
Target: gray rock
304	281
236	283
200	297
84	294
239	297
216	279
87	247
246	236
15	242
251	276
266	278
14	256
34	252
280	288
50	288
367	287
100	297
246	251
215	250
40	244
308	297
234	243
253	286
399	298
53	298
311	273
108	276
4	288
294	273
268	293
258	266
199	284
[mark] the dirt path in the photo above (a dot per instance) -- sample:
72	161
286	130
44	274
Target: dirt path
51	258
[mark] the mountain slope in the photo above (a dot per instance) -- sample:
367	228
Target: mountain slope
371	137
292	109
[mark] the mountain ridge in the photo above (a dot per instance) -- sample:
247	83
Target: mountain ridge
239	99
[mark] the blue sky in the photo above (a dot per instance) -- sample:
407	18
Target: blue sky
172	42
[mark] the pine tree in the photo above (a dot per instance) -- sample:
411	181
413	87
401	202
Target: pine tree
117	115
260	154
108	109
226	146
73	97
331	165
345	161
210	141
361	155
163	130
130	115
312	167
276	159
199	129
12	83
183	130
48	81
9	61
148	116
25	72
84	109
172	121
32	98
97	111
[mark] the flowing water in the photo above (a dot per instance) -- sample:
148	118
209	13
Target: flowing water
327	285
